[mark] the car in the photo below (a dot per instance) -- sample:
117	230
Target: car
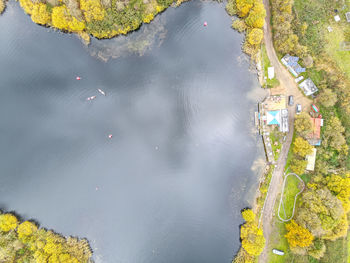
291	100
298	109
277	252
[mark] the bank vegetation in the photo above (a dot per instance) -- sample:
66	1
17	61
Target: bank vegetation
249	17
26	242
99	18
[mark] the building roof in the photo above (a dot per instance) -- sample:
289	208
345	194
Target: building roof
308	86
314	137
292	64
347	16
273	117
270	72
311	158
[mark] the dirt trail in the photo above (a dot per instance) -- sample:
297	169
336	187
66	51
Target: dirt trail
289	87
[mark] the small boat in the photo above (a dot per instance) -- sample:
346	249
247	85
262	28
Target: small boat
110	136
91	98
78	78
205	24
102	92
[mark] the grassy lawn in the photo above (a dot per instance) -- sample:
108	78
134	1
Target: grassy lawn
276	142
290	191
332	47
265	63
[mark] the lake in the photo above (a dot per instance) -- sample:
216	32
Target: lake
184	158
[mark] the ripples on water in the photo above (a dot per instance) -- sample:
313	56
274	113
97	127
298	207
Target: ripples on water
174	177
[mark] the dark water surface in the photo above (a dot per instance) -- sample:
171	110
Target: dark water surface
169	186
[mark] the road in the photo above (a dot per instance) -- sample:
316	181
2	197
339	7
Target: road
288	87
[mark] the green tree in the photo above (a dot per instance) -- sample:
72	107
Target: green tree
320	212
302	124
327	98
298	166
239	25
298	236
333	135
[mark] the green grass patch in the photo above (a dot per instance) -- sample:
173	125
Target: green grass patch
290	191
265	63
276	142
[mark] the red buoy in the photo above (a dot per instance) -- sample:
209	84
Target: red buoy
78	78
205	23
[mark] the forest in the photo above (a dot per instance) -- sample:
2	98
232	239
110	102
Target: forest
99	18
24	241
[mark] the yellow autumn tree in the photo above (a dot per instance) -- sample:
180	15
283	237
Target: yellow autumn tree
40	14
92	9
255	36
248	215
256	17
301	147
243	7
298	236
26	229
62	19
8	222
340	186
253	240
2	6
27	6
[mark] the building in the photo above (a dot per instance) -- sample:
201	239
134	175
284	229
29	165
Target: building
308	87
314	138
292	64
311	159
336	18
270	72
347	15
278	118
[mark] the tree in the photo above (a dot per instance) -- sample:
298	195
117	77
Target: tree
340	186
298	166
301	147
319	211
333	134
26	230
255	36
302	124
298	236
256	17
317	249
239	25
243	7
8	222
248	215
253	240
2	6
40	14
327	98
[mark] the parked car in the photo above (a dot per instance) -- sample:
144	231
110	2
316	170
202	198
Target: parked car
277	252
291	100
298	109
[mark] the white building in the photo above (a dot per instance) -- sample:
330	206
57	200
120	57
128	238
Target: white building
308	87
270	72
